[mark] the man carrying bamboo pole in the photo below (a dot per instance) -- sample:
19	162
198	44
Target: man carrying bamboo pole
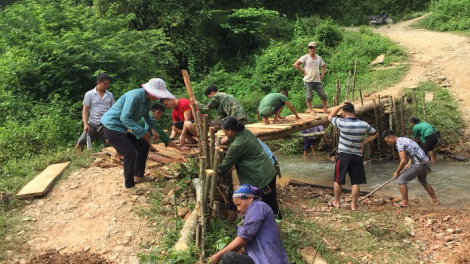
350	148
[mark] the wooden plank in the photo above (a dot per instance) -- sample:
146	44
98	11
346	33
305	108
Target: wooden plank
170	152
270	126
43	181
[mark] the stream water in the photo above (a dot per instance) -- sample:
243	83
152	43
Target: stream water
450	179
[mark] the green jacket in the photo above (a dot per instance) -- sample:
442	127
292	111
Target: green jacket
163	136
253	165
226	105
422	130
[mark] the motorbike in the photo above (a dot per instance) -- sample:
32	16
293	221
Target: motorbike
380	20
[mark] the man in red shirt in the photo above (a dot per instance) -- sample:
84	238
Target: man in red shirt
183	119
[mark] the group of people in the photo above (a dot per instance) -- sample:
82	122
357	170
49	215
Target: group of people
129	123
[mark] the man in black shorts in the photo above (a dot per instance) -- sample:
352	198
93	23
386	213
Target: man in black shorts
350	146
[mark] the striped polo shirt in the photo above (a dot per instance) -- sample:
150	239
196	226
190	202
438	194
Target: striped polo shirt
352	131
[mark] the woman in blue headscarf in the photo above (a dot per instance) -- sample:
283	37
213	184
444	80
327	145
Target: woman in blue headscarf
258	240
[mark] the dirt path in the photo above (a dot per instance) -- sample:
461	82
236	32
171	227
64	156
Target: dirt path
434	54
89	211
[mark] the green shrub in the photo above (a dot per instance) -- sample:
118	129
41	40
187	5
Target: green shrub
448	15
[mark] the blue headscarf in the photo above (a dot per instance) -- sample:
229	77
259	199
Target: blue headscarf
245	190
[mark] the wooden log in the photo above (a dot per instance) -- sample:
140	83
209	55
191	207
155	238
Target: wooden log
43	181
204	199
300	183
189	228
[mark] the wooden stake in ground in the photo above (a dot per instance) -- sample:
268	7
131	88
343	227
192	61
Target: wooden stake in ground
205	131
347	87
354	79
416	105
391	113
402	122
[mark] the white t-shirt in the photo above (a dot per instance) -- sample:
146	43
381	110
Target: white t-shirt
312	67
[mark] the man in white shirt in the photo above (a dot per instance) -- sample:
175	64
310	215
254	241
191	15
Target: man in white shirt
312	76
96	102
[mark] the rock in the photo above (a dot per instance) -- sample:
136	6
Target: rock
409	220
446	218
86	249
128	250
8	238
60	248
450	231
169	186
183	211
378	60
129	234
461	158
118	249
134	260
448	238
308	254
21	232
431	221
458	230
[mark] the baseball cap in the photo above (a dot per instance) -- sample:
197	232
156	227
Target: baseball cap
312	44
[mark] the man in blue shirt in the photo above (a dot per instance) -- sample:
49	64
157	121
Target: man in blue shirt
129	138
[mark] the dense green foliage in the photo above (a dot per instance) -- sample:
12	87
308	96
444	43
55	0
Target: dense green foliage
448	15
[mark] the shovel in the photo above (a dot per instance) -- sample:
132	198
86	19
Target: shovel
378	188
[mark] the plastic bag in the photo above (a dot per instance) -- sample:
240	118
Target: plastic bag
88	141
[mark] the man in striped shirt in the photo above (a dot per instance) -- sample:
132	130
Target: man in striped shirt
350	147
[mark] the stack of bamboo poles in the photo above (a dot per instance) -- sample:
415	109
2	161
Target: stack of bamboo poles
210	156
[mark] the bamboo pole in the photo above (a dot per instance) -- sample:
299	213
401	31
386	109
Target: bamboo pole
212	148
203	204
205	131
395	115
377	125
401	115
390	116
424	109
380	119
336	98
215	167
360	95
354	79
198	127
347	87
416	105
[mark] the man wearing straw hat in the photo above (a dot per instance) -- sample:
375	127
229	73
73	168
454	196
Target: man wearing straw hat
129	138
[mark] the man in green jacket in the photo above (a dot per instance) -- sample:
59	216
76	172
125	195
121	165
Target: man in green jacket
226	105
251	162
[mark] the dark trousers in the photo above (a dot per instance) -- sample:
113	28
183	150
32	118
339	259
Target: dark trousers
271	198
135	152
232	257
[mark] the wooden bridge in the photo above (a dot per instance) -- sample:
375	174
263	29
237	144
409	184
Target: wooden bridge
290	125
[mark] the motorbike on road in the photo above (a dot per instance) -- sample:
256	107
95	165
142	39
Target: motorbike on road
382	19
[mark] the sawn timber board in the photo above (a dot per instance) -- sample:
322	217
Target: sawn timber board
43	181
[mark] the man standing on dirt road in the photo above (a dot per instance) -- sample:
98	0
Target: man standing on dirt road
350	147
417	166
96	102
312	78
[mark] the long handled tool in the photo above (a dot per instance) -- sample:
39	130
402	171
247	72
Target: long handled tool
378	188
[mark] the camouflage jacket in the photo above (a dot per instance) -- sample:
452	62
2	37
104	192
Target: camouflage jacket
226	105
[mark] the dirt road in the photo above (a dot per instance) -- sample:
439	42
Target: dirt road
434	54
